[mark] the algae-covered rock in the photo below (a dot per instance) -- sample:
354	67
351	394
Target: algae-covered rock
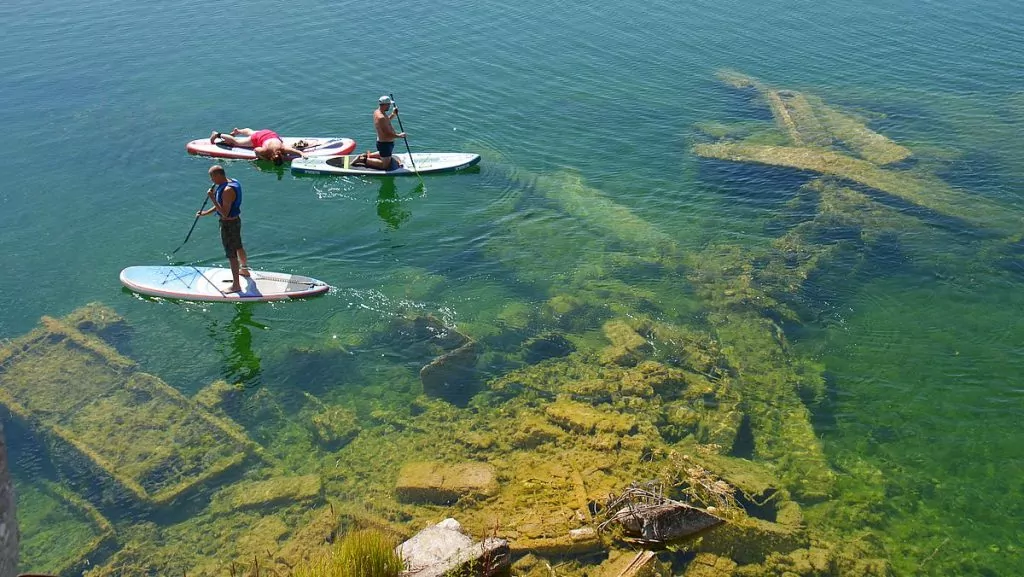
62	533
269	492
627	346
451	375
588	420
219	396
710	565
534	431
310	539
334	426
632	564
546	346
443	484
750	540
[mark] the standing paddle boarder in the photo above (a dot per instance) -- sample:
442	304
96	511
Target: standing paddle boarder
386	136
226	194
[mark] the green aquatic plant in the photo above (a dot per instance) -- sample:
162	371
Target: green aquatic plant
364	553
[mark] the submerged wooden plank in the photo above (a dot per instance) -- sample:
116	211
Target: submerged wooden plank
128	425
62	533
922	190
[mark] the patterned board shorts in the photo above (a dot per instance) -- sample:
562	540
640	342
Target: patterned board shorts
231	237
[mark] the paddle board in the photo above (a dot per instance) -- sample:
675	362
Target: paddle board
426	162
201	283
318	146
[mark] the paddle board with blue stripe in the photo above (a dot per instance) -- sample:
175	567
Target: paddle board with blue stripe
201	283
426	163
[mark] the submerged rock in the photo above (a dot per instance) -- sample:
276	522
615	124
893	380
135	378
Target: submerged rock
639	564
443	484
709	565
547	346
335	427
260	494
451	375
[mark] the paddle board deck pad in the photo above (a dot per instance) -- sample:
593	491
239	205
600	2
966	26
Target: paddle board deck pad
201	283
325	146
426	163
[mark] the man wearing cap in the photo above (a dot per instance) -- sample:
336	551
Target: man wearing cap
386	135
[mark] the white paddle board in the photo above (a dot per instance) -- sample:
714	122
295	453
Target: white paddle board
426	163
315	146
201	283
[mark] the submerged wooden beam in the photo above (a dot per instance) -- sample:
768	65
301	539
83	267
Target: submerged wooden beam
922	190
110	419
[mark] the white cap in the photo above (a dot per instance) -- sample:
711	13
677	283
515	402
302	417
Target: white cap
384	99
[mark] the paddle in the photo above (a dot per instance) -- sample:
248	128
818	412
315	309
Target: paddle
201	208
400	127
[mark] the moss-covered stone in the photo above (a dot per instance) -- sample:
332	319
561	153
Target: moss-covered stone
588	420
261	494
627	346
443	484
709	565
334	426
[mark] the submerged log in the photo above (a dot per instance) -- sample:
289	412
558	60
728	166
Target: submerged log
659	524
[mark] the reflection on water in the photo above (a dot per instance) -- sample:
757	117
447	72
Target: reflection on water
233	341
390	207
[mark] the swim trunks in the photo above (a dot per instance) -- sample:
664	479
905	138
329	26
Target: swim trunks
385	148
259	137
231	237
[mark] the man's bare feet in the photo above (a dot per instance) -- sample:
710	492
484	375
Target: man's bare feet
233	289
244	271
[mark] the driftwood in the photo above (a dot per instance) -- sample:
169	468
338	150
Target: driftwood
649	518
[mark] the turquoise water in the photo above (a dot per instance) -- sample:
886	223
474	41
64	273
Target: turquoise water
922	346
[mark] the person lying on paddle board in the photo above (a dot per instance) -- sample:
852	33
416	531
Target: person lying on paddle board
386	136
265	143
226	195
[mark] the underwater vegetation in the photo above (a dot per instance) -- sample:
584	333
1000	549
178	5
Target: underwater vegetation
819	139
362	553
621	358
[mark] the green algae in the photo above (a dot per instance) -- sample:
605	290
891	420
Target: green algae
266	493
795	117
819	137
920	189
112	420
61	532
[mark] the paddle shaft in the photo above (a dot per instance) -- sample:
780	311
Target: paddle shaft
400	127
194	222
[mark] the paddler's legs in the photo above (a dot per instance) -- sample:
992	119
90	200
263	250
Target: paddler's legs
235	283
243	263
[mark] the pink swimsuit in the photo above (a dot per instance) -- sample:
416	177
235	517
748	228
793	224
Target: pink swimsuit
261	136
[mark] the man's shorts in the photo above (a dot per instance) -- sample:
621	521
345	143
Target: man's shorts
385	148
231	237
